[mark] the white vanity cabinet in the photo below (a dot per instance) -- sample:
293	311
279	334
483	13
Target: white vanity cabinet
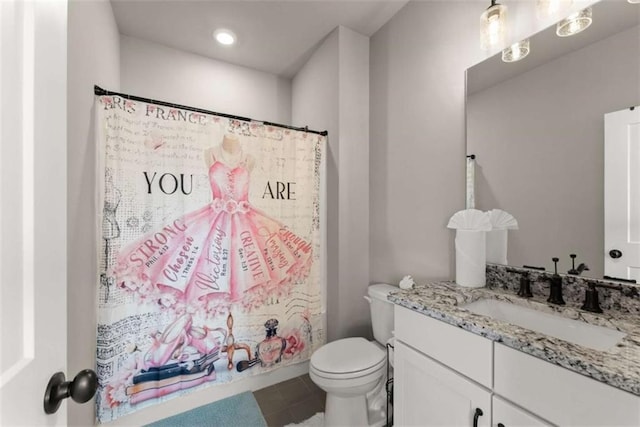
443	373
430	391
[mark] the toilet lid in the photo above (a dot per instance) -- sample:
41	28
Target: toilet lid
348	355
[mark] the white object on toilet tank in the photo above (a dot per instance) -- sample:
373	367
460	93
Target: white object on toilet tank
381	311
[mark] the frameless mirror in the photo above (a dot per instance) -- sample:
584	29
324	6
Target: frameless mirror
536	128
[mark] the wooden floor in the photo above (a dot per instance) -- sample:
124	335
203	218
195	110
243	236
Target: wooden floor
291	401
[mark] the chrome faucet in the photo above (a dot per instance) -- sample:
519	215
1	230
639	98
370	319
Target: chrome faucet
577	271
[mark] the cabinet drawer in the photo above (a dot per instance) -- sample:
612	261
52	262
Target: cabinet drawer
462	351
510	416
561	396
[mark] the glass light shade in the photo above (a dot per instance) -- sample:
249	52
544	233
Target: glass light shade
549	8
493	26
634	1
516	51
574	23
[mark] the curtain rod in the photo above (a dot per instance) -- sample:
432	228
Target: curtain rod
97	90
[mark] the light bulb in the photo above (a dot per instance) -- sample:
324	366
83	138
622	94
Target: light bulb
493	26
551	8
516	51
574	23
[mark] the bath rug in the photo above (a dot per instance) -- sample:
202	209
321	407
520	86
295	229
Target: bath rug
239	410
316	421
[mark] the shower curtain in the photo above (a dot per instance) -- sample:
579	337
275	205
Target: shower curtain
210	250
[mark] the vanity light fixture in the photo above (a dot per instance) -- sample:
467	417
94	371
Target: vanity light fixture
574	23
550	8
516	51
634	1
224	37
493	26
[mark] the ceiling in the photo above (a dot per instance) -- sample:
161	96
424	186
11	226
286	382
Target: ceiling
273	35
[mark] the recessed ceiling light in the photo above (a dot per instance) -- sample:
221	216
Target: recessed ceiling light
224	37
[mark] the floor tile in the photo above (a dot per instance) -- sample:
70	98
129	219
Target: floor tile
309	382
279	419
306	409
290	401
270	400
294	391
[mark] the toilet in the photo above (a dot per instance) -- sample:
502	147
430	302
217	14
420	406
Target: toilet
353	370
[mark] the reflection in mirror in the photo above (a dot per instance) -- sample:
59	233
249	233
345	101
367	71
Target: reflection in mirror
537	129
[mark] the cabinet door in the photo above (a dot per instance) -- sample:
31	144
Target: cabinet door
429	394
507	415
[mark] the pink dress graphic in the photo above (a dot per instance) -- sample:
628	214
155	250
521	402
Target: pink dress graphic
225	252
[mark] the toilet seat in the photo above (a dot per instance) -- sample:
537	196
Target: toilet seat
347	358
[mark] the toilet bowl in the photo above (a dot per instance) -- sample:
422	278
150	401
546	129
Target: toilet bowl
348	369
353	371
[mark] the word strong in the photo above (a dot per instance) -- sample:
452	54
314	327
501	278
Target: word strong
281	190
169	183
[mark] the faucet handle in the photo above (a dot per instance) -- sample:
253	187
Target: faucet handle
555	286
525	286
573	265
525	283
591	300
577	271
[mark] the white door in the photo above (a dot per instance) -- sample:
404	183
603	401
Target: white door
33	262
622	194
429	394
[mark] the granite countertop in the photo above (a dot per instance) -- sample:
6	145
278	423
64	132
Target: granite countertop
618	367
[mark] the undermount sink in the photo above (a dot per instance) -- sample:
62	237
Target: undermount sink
574	331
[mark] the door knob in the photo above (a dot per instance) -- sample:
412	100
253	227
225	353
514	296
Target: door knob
615	253
81	389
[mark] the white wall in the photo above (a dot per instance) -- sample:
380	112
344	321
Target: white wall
93	58
331	92
154	71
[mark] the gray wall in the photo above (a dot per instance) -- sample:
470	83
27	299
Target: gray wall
539	138
314	99
417	151
331	92
93	58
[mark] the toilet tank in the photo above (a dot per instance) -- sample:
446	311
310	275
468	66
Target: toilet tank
381	311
